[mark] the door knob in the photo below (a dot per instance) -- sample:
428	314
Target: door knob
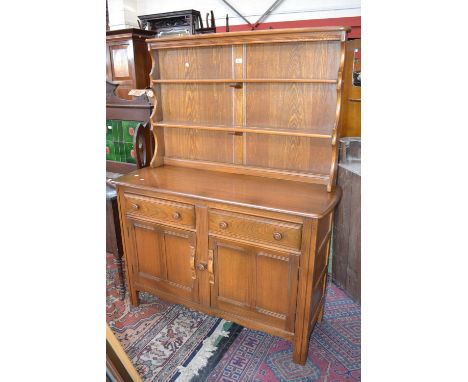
202	266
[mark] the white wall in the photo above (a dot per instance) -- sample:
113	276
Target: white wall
122	14
288	10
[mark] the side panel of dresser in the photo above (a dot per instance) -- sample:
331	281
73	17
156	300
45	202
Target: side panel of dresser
312	282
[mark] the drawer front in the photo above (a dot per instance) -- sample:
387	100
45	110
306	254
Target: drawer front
256	229
161	210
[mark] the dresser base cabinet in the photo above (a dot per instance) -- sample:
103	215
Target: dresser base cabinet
256	266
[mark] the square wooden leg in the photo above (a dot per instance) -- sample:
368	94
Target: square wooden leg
320	315
134	298
300	354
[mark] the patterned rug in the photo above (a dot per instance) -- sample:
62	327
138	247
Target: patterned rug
168	342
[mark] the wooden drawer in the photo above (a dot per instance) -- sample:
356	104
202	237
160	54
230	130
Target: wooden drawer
256	229
161	210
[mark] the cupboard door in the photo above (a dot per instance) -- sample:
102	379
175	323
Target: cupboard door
163	258
253	282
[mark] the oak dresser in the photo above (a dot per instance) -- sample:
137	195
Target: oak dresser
233	217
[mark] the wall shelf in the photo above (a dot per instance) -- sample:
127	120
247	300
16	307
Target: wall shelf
246	80
244	129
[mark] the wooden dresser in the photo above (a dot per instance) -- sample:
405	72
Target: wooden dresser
234	215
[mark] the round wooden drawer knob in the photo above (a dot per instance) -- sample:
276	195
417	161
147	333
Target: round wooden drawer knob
176	215
223	225
135	206
277	236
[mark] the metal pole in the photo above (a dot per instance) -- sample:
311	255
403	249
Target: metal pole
235	10
268	11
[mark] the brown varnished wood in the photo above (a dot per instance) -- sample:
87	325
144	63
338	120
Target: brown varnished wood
173	213
128	250
156	116
245	129
351	111
193	64
202	252
346	264
245	279
288	153
246	126
337	126
273	173
296	198
309	60
238	118
161	257
240	319
238	81
283	85
301	327
199	145
292	106
257	37
127	60
272	232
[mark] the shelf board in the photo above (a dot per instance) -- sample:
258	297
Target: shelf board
245	80
244	129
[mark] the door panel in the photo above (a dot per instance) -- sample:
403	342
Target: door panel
147	244
253	282
232	271
272	277
178	256
163	258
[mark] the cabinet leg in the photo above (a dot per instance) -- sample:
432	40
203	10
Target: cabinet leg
300	354
320	315
134	298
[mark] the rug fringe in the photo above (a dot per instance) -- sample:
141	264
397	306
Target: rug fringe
201	358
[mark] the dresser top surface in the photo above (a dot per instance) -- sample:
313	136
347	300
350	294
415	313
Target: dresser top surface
292	197
241	34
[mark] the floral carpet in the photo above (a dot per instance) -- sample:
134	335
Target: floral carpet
168	342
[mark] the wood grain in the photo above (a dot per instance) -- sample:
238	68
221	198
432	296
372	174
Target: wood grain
287	89
252	37
128	62
351	113
241	129
296	60
289	153
292	106
225	223
346	264
195	63
310	200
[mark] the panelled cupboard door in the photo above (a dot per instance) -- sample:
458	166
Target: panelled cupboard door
163	258
253	282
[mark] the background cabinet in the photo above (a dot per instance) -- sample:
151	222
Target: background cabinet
128	62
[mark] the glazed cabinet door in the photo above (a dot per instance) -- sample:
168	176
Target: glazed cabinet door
252	282
163	258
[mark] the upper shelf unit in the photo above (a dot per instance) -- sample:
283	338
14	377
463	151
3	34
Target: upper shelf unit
264	102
